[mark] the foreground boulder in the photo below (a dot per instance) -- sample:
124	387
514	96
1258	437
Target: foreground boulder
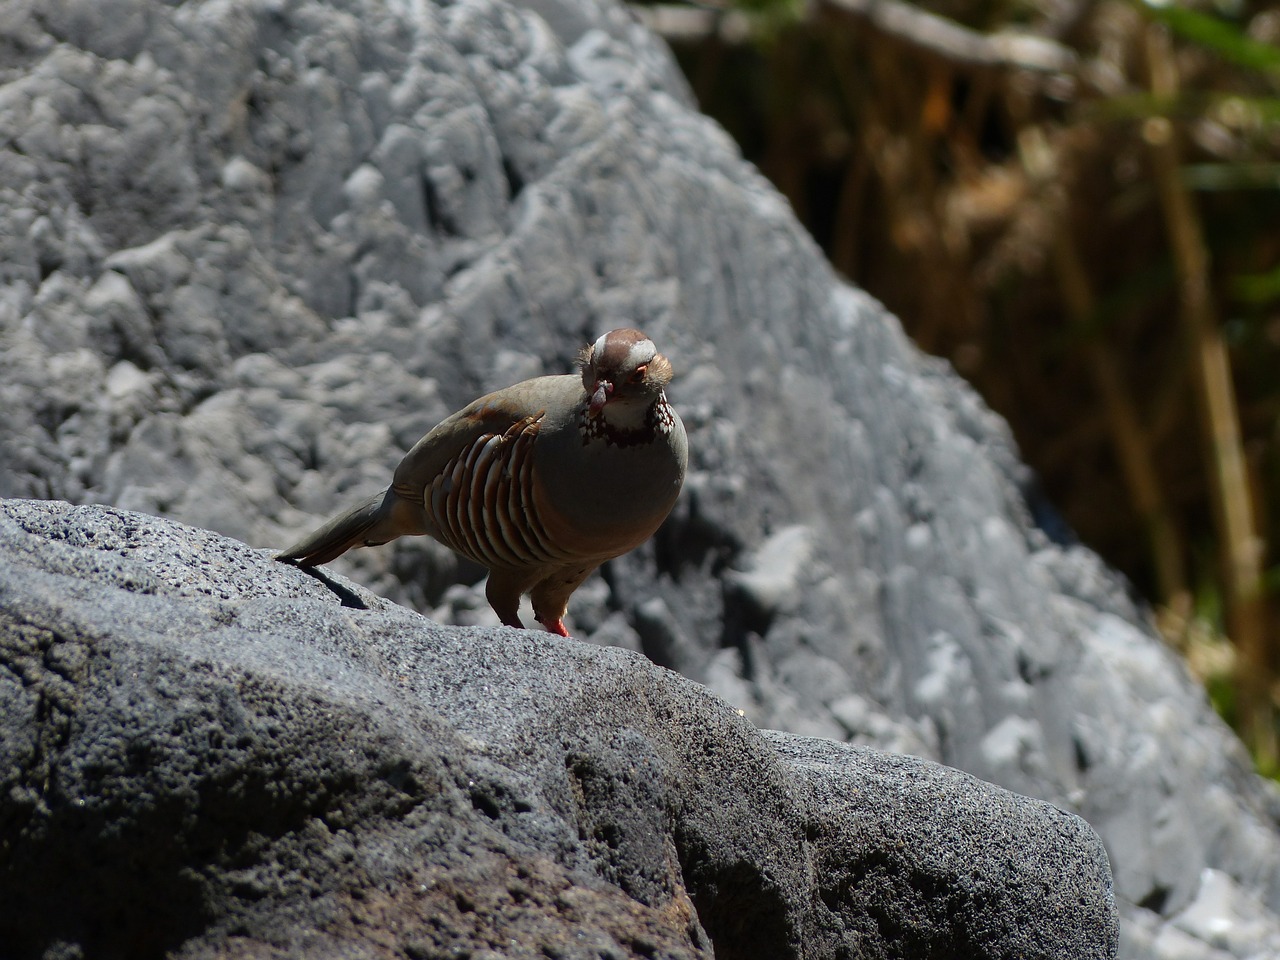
209	753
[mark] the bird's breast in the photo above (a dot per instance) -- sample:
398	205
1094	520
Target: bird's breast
609	493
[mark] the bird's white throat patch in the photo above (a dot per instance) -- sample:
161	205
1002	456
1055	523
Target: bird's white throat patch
626	425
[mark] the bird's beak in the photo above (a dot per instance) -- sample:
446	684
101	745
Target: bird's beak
599	396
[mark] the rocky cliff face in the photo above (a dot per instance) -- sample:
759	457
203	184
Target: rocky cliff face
251	251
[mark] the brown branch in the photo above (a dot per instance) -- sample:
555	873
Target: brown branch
906	23
1129	440
1241	544
959	44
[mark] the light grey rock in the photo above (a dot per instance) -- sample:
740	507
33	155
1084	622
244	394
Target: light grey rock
204	752
250	252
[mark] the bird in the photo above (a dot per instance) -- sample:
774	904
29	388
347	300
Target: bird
540	482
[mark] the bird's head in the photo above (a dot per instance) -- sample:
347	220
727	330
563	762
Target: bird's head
623	369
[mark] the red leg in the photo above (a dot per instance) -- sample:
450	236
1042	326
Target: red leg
555	626
550	596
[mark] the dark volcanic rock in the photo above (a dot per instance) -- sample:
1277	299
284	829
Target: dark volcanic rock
210	753
250	251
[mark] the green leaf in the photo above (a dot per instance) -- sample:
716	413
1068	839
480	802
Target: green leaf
1231	176
1260	288
1221	36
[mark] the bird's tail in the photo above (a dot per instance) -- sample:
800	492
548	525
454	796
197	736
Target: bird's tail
367	524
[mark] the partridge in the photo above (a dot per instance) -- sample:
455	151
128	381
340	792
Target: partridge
540	483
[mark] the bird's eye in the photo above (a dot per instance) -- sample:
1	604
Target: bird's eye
639	373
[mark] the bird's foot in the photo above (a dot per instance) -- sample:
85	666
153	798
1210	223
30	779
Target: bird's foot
555	626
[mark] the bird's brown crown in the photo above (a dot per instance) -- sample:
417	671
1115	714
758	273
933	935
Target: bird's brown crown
628	361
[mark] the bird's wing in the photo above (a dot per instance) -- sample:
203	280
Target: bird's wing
494	413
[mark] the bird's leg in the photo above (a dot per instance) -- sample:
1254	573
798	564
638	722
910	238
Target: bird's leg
503	591
556	626
551	596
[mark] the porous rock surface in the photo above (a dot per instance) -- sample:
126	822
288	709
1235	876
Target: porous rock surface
250	251
207	752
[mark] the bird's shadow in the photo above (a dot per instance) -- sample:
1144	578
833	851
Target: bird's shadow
347	597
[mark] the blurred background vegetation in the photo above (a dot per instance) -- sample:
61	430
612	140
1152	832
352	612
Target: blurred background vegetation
1077	202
